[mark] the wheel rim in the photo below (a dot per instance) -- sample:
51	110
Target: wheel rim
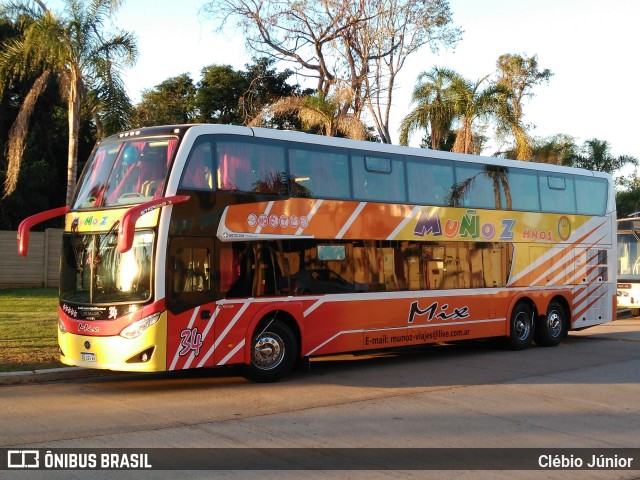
522	326
554	323
268	351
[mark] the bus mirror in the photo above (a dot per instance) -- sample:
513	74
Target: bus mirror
29	222
131	216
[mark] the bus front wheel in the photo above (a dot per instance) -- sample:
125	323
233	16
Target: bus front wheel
552	327
521	327
273	352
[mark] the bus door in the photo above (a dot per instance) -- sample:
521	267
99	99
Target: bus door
190	300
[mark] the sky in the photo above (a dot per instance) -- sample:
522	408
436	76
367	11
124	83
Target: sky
591	46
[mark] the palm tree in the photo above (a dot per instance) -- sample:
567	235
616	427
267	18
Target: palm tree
434	108
557	150
76	52
446	98
518	75
596	155
324	113
471	103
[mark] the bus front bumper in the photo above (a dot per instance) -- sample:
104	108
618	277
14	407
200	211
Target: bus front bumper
145	353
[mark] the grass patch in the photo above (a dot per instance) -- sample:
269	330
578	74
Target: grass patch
28	329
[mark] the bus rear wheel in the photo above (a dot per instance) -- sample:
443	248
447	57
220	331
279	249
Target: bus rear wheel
273	352
552	327
521	327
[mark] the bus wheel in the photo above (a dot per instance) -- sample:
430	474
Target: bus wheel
551	328
273	352
522	327
635	312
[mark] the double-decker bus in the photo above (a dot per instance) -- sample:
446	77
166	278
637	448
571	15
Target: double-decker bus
629	263
205	245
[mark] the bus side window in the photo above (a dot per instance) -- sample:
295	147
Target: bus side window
319	174
591	195
255	271
242	274
199	167
557	193
476	186
378	179
251	167
429	182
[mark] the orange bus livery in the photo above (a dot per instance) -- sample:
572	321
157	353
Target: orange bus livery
204	245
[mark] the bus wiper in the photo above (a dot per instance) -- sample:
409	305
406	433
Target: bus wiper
97	258
76	253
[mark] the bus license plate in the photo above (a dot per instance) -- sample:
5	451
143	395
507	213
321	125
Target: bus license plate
88	357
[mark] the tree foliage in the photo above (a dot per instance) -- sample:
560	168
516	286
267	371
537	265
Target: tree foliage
376	52
434	108
220	94
362	45
628	201
557	150
168	103
596	155
42	177
223	95
445	100
233	96
518	75
325	115
75	48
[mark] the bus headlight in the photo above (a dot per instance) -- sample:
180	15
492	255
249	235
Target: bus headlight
61	326
138	328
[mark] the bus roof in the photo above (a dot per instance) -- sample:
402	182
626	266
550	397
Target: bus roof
307	138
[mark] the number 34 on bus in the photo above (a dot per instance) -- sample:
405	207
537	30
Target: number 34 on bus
204	245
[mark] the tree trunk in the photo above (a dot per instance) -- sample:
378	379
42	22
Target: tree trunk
464	138
18	133
74	128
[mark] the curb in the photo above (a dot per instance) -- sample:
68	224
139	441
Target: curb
49	375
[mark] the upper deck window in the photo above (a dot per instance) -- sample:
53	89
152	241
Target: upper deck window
198	174
557	193
378	179
429	181
124	173
519	190
478	186
251	167
319	174
591	195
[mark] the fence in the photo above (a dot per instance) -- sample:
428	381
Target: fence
38	269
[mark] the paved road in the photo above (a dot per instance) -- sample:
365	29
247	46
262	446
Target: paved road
583	393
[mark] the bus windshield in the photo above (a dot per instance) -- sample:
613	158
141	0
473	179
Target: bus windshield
628	259
93	271
125	172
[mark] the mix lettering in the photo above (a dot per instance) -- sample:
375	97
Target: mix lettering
441	314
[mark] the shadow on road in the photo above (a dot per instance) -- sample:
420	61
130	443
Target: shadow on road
438	365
